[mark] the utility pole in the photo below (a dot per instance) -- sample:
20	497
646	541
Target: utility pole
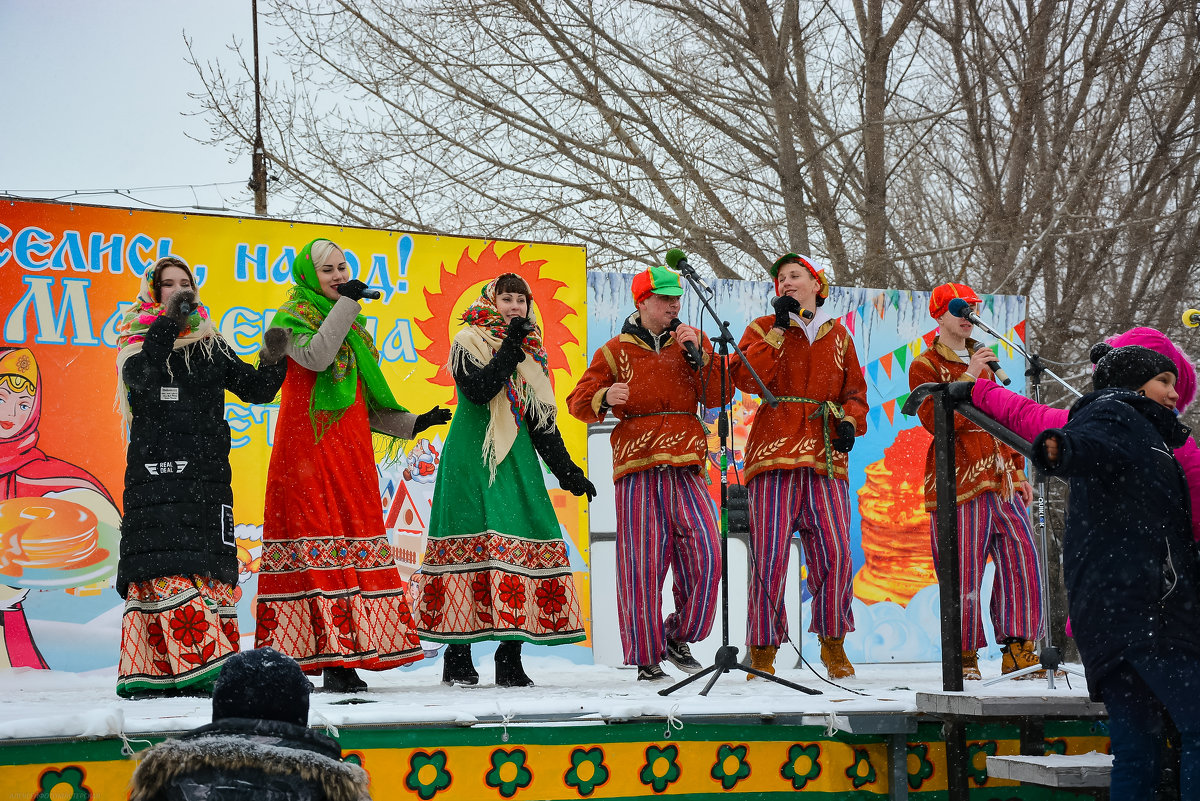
258	169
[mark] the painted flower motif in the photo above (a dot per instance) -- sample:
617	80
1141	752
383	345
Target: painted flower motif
427	774
433	594
662	768
551	597
63	785
803	764
481	589
230	628
188	626
977	754
508	773
512	592
154	633
731	765
862	772
920	768
264	627
341	616
587	771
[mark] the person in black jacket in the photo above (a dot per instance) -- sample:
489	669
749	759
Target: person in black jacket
178	565
496	565
1132	574
257	748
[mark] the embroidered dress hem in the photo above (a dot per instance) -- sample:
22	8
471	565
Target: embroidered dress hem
176	633
490	586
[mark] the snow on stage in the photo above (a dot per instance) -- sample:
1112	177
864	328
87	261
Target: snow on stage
584	731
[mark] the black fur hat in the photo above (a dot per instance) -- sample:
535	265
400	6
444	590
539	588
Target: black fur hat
262	684
1129	367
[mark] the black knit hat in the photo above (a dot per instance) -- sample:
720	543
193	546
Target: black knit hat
262	684
1129	367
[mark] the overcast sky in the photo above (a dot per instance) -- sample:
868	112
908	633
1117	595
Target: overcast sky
98	99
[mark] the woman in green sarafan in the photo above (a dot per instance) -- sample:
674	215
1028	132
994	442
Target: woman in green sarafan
496	565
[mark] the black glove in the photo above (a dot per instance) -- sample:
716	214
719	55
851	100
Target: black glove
845	437
960	390
577	484
784	306
353	289
180	307
518	329
436	416
274	345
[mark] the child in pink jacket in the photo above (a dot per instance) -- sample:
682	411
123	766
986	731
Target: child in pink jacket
1028	419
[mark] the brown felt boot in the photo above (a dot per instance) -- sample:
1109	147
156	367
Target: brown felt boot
970	666
833	657
1019	654
762	657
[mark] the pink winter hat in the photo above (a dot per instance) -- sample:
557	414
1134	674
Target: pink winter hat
1152	338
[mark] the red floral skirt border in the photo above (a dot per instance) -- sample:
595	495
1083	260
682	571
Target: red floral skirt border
176	633
354	630
494	587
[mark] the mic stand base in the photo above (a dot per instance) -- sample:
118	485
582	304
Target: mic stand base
725	661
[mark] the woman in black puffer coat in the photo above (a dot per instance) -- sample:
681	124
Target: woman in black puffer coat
178	566
257	748
1132	573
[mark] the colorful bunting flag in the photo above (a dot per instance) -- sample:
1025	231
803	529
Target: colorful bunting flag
886	361
890	408
901	354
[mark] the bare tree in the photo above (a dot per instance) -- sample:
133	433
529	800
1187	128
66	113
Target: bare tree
632	125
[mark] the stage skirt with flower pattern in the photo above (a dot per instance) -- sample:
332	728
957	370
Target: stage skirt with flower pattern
176	633
496	566
329	593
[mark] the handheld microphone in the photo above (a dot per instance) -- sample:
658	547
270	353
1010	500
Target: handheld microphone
960	308
371	294
1191	318
690	351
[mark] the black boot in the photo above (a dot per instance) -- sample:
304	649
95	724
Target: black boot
341	680
457	667
509	672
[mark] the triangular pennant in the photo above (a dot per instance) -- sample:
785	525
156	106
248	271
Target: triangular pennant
928	338
989	302
901	354
848	321
900	401
1019	330
914	347
886	361
890	408
874	416
894	298
873	372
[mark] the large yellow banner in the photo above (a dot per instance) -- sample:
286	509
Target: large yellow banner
68	272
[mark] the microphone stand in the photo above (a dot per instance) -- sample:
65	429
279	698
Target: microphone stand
1049	658
726	658
1032	359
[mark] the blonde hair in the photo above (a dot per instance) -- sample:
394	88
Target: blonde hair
18	383
321	250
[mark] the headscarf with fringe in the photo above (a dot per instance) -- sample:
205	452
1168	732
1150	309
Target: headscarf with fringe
337	385
131	331
527	390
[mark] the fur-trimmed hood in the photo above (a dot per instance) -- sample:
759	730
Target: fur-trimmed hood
307	761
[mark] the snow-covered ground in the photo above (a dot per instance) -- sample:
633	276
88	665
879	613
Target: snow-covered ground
51	704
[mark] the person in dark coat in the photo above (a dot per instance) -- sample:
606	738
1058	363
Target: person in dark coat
258	746
178	565
1132	573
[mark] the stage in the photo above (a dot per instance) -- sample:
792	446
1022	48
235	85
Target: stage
585	731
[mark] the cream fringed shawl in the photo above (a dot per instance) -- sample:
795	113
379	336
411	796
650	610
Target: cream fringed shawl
527	391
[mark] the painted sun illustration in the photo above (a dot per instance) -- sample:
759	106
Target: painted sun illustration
458	288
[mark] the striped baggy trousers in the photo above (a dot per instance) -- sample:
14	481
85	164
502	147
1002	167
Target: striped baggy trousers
665	520
989	526
818	508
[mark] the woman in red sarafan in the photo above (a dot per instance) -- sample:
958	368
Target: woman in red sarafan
329	594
